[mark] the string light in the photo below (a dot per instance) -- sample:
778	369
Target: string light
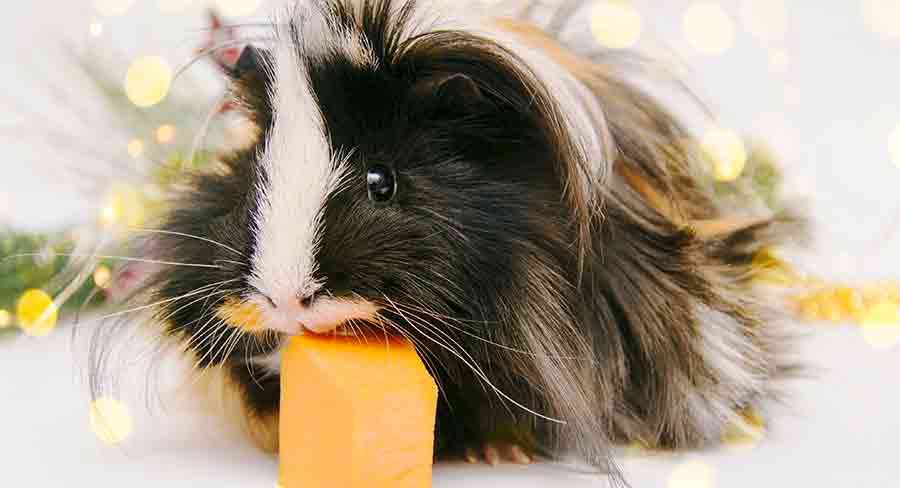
875	307
147	81
727	152
882	17
765	19
123	205
36	313
95	29
894	145
637	449
708	28
112	8
881	325
102	277
110	420
173	6
615	24
692	474
135	148
165	133
745	434
237	8
5	319
109	215
779	60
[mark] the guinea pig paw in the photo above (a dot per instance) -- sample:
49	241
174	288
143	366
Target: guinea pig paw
494	454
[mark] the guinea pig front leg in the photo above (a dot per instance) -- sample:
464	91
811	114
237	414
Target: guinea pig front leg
494	453
483	431
259	395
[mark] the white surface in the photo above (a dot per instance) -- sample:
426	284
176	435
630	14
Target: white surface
841	430
829	115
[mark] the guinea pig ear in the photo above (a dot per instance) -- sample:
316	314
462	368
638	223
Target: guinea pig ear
251	85
455	95
459	91
250	61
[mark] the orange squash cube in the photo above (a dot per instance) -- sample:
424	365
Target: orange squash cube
355	413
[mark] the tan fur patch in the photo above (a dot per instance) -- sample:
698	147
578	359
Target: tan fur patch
221	396
640	184
593	74
241	314
536	37
714	228
263	431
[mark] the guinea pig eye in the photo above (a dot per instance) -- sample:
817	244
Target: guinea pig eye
382	183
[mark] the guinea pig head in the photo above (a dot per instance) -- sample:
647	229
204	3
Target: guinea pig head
409	185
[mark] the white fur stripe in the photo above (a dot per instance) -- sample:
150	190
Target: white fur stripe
300	174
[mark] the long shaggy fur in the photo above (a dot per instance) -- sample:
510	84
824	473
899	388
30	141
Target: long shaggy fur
553	249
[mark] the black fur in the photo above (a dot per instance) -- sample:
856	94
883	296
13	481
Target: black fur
579	302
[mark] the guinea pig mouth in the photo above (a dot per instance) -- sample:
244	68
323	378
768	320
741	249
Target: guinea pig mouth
346	330
328	315
339	316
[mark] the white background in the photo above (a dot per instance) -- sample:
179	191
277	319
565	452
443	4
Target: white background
829	115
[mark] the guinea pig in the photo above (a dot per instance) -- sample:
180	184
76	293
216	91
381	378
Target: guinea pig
537	224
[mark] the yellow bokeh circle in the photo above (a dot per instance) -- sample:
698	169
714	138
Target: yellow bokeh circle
102	277
123	206
112	7
765	19
708	28
174	6
166	133
135	148
780	60
615	24
147	81
692	474
237	8
5	319
881	325
95	29
746	433
726	151
882	17
110	420
36	313
894	145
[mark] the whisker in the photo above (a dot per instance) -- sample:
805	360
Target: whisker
248	354
202	313
425	353
216	287
217	330
203	131
475	369
191	236
118	258
228	335
234	340
446	320
204	332
197	291
446	336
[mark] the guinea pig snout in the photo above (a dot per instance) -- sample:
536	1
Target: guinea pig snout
327	314
318	315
